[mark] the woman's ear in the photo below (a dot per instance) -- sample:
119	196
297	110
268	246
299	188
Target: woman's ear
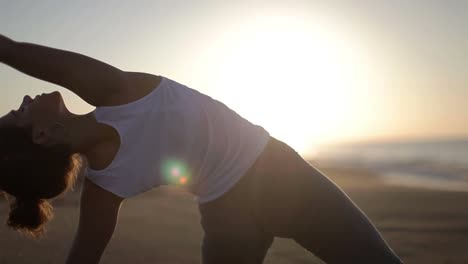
40	136
49	136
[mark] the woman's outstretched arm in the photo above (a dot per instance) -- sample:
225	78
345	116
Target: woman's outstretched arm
94	81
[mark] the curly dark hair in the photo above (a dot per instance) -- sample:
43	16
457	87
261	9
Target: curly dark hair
32	174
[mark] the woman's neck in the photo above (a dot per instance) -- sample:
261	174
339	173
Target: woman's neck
83	132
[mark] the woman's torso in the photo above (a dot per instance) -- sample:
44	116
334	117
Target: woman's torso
175	135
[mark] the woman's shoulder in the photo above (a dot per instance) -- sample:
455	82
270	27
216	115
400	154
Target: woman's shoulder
137	85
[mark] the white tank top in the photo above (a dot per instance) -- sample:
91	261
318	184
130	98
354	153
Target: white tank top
177	135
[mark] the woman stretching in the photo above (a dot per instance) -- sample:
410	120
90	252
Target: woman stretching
149	130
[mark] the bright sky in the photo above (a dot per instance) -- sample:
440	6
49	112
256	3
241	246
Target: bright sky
310	72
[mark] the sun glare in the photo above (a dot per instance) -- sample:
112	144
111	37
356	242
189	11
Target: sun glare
296	80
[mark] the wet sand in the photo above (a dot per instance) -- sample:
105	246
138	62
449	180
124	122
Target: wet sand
162	226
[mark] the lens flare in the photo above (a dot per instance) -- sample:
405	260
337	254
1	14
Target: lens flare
175	172
183	180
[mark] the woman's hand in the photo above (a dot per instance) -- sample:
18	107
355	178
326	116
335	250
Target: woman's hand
4	44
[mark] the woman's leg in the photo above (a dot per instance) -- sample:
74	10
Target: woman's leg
295	200
231	234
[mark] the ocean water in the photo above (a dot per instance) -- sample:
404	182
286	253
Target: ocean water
435	164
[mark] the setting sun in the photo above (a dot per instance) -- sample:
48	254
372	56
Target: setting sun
298	81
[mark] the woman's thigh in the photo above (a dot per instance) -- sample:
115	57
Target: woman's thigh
295	200
231	234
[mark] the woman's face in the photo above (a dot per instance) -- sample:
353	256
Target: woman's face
40	112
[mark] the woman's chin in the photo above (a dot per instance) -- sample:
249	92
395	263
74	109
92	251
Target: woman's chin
57	95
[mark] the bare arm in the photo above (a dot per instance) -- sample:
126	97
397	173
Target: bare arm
89	78
99	211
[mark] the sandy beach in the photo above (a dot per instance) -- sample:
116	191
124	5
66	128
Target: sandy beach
162	226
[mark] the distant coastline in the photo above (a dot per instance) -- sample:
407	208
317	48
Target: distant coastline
393	141
426	163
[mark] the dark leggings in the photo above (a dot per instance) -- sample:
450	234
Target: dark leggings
284	196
